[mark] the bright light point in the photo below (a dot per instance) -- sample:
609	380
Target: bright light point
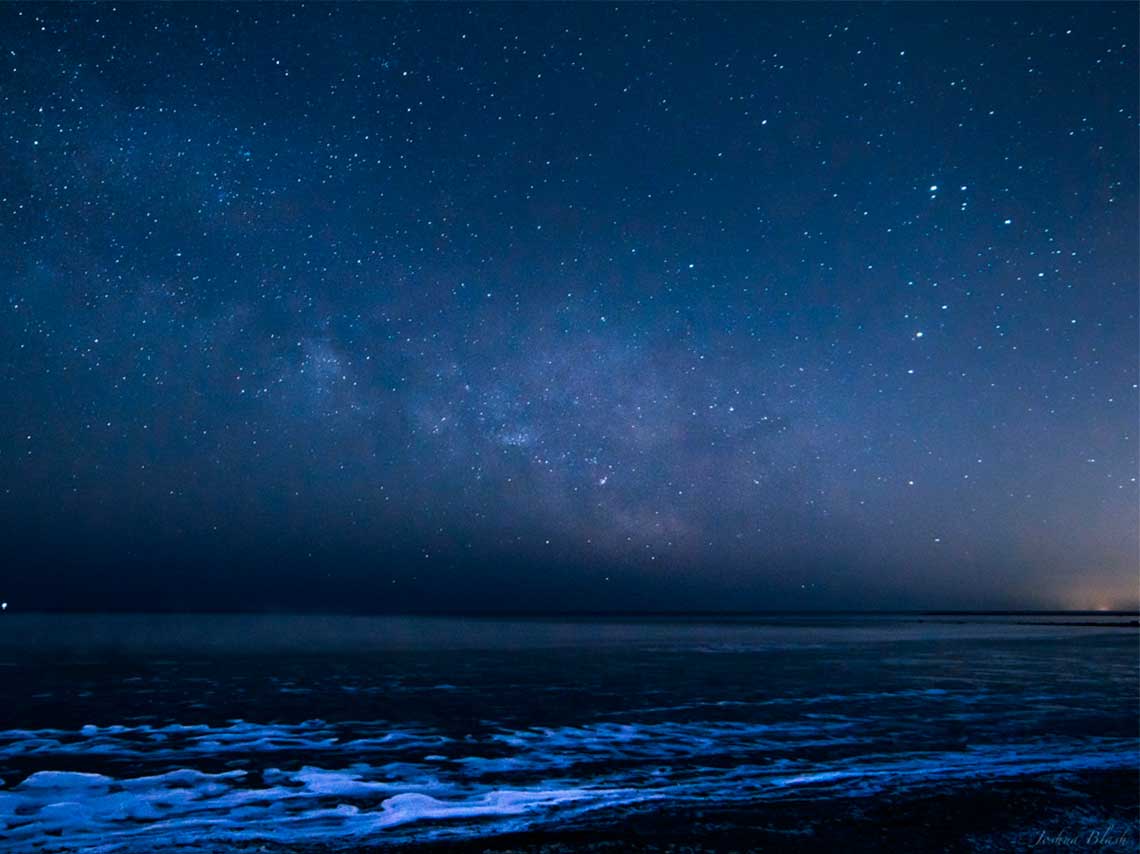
1009	222
910	483
918	335
910	370
3	606
934	188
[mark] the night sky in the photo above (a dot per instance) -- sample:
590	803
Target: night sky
522	307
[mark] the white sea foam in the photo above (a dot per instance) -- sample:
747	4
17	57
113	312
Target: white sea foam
66	811
505	781
917	694
561	747
179	741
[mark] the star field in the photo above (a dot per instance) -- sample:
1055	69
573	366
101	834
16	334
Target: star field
383	307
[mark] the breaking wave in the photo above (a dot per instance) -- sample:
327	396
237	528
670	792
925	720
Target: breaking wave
383	786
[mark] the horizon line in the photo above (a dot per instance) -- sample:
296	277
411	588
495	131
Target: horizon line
583	612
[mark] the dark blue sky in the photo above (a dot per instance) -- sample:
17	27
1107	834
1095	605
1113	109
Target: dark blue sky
385	307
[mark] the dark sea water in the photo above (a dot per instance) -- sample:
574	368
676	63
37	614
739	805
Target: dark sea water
131	733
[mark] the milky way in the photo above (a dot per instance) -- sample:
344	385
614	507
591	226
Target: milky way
569	306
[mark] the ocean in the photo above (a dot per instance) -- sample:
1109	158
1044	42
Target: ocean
856	732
